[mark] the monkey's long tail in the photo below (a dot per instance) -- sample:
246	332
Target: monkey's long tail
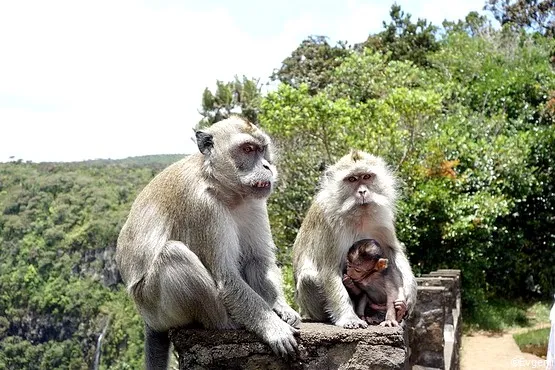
157	349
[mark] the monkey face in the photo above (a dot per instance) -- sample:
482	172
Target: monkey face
362	270
360	185
239	156
256	174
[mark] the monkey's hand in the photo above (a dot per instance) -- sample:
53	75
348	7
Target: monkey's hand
280	337
287	314
351	322
400	309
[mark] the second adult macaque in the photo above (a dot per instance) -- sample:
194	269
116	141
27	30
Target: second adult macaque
373	290
356	200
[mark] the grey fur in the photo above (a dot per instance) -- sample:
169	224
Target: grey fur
333	223
197	245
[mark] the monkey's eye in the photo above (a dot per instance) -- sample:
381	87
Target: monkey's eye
352	179
366	176
248	148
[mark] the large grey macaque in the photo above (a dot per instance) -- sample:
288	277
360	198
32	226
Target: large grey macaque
356	201
197	246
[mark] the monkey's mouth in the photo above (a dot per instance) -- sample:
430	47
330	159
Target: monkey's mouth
261	184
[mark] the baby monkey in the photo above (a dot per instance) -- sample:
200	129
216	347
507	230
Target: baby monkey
373	290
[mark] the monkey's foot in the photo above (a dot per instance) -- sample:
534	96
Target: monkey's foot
288	314
351	322
389	323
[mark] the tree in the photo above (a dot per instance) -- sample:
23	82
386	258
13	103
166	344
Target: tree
473	24
537	15
239	96
403	39
311	63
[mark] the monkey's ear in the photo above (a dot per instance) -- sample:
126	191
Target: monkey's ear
204	141
382	264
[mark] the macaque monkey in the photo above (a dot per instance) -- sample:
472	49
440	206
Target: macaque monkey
356	201
367	281
197	246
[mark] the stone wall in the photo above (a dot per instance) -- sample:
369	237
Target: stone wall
321	347
433	331
435	327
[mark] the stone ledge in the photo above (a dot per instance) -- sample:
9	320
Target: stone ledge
435	327
321	346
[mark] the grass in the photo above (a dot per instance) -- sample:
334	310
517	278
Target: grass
498	315
539	312
501	315
533	341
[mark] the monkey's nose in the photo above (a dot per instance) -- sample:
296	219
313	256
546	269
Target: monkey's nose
362	192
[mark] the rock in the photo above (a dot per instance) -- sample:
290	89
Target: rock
435	328
321	346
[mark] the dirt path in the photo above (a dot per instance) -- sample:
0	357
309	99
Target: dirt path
492	352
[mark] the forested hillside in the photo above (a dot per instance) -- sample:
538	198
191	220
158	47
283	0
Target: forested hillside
59	287
464	114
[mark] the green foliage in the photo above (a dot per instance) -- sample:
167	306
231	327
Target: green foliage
505	73
239	96
311	63
474	24
404	40
369	75
58	288
498	315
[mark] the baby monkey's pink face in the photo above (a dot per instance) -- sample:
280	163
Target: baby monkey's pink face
363	270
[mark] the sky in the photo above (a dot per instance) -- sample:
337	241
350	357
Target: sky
118	78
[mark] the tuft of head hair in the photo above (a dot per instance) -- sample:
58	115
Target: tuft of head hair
356	155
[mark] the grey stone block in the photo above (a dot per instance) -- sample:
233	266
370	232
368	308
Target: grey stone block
321	346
